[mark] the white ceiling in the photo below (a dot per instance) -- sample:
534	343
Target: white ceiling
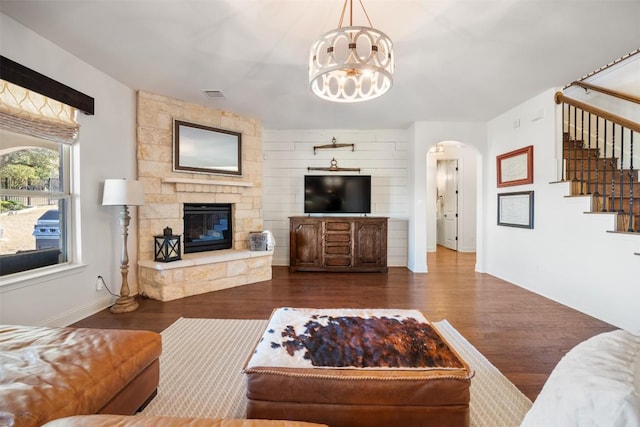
456	60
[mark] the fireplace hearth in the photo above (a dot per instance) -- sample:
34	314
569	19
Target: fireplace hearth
207	227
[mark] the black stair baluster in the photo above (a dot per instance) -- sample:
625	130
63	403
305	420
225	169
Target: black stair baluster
604	170
567	147
596	193
631	185
582	152
569	142
575	140
589	156
613	169
620	199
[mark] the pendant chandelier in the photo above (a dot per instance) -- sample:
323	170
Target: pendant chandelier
351	64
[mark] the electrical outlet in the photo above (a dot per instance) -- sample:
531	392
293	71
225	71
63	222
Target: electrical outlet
99	284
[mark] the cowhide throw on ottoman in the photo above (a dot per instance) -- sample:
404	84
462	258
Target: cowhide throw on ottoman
356	367
352	338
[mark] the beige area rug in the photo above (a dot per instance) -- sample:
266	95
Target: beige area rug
201	373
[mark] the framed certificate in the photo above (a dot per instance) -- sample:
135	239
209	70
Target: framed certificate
515	167
516	209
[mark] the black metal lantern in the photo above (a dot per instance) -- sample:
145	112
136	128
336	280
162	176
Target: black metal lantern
167	246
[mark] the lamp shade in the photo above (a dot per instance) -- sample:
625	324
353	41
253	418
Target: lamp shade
122	192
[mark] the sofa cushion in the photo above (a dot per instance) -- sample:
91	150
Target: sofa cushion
597	383
49	373
158	421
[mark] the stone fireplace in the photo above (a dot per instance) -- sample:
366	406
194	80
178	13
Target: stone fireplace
169	195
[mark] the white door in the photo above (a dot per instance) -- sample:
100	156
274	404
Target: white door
450	204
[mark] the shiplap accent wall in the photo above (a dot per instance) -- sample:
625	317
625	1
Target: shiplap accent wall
383	154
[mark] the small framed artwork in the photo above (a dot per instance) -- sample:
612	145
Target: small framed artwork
203	149
516	209
515	167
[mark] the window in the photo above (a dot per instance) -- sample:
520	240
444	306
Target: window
35	190
34	203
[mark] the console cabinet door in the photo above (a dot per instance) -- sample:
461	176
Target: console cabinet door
370	244
305	243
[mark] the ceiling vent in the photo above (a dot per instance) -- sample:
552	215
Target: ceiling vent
216	94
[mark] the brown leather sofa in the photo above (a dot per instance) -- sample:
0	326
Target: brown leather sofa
142	421
50	373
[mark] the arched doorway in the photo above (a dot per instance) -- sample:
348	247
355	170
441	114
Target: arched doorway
452	196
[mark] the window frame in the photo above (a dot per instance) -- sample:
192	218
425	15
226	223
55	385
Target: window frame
65	206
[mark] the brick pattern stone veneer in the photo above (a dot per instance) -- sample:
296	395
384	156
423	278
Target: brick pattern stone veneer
166	191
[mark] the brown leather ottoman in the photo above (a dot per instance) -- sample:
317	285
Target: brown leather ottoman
351	368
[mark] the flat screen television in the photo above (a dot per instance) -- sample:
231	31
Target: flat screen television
325	194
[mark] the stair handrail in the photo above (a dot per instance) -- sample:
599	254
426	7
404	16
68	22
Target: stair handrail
610	92
609	65
629	124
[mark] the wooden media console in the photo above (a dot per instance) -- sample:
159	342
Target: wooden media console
341	244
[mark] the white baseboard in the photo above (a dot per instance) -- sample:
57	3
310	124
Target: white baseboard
79	313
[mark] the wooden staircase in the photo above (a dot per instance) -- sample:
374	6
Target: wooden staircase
601	178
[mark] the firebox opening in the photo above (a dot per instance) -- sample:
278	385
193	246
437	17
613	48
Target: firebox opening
207	227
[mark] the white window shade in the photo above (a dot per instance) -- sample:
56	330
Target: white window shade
27	112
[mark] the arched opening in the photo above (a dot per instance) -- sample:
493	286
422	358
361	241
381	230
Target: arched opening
452	177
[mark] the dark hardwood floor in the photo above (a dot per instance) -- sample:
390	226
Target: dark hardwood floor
522	334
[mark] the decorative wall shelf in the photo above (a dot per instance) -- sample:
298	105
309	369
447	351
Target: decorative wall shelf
334	168
333	145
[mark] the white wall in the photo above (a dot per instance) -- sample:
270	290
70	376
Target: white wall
379	153
568	256
105	149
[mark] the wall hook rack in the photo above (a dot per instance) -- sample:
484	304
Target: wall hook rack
333	144
334	168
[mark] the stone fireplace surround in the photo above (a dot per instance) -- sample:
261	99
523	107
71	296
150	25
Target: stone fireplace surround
166	192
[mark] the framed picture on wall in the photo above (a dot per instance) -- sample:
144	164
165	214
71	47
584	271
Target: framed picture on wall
205	149
515	167
516	209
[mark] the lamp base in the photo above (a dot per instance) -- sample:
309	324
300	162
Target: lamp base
124	305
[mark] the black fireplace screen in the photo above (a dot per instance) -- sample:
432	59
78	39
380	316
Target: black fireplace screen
207	227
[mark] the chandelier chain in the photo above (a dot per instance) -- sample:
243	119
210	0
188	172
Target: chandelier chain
365	13
344	8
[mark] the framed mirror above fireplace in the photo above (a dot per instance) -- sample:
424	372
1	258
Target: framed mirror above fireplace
205	149
207	227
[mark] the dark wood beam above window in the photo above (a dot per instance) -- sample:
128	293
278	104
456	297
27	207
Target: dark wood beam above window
27	78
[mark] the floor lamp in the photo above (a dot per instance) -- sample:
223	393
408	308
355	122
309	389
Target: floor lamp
124	193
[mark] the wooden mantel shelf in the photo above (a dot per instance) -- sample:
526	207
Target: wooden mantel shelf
206	182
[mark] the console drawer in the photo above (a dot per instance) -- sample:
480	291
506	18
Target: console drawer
337	238
337	250
338	226
337	261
